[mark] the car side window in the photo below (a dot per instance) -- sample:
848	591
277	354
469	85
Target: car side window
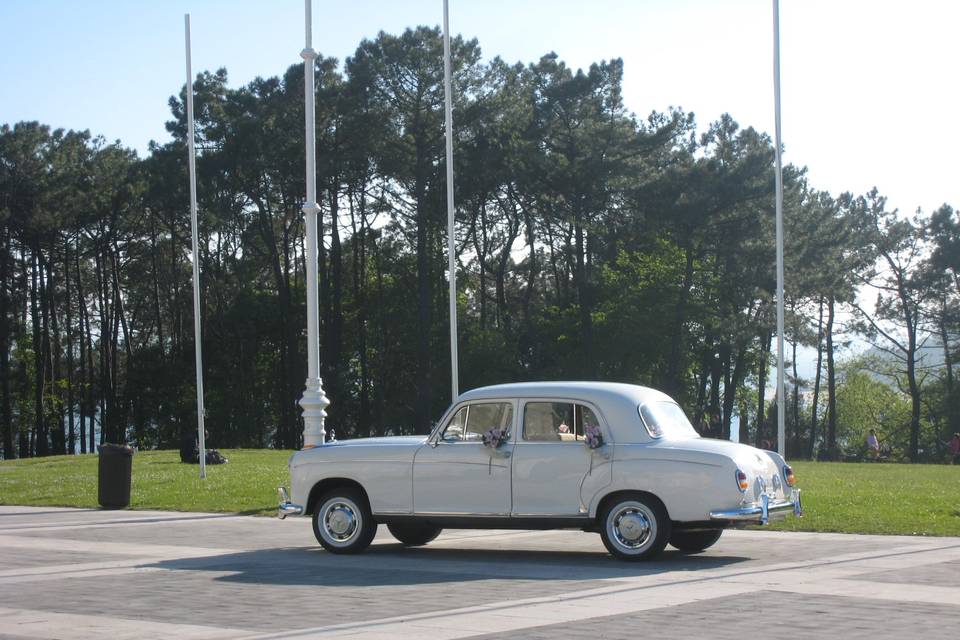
548	421
586	418
454	430
470	422
484	417
557	421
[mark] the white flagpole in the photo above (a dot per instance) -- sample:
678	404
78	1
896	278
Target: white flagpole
314	401
451	237
781	400
201	439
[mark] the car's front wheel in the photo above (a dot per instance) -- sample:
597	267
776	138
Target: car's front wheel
635	527
342	521
693	541
414	535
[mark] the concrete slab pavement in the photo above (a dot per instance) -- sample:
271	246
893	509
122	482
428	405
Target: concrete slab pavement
70	573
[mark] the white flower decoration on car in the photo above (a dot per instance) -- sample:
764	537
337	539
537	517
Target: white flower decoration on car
495	437
593	437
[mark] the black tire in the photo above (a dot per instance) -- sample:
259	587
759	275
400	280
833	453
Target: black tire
693	541
342	521
414	535
635	526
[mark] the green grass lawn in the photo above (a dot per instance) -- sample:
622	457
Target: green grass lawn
246	484
843	497
871	497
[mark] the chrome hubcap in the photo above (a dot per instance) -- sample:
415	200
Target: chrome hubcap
340	521
632	527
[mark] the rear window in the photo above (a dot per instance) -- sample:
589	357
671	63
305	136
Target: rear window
666	419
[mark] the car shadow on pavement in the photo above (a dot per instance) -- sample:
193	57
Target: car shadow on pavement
394	564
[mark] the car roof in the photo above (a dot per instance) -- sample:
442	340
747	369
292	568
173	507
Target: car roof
617	401
574	389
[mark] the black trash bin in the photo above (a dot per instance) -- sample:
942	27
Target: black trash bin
114	470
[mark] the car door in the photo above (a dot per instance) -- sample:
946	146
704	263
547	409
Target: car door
455	474
554	472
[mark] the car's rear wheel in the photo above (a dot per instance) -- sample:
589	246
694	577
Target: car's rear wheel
635	527
693	541
414	535
342	521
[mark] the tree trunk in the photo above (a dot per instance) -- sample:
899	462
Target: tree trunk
360	294
912	384
39	430
796	402
284	437
816	385
532	271
157	313
335	365
721	354
762	367
71	433
480	246
58	434
585	300
953	420
744	432
121	322
673	381
424	398
23	441
831	384
731	382
7	425
87	403
106	382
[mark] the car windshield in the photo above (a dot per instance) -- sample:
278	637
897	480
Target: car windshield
666	419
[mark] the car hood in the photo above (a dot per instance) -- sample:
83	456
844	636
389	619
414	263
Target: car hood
370	449
386	440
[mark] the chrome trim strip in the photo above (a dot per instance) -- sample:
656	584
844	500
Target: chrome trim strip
460	514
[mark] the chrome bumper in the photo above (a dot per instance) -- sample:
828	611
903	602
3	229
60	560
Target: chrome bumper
762	512
287	508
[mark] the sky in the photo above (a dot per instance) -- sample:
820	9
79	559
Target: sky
869	89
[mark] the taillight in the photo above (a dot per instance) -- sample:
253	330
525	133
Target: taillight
742	481
788	475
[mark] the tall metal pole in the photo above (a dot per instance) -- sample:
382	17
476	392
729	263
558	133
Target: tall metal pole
201	435
451	236
313	402
781	400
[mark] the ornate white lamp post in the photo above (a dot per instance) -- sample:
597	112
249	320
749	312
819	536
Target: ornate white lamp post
314	402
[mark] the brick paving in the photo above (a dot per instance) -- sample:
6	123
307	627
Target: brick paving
797	617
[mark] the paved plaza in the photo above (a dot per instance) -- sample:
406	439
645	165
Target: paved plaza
72	573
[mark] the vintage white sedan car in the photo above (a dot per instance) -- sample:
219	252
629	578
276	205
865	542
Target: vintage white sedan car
618	459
